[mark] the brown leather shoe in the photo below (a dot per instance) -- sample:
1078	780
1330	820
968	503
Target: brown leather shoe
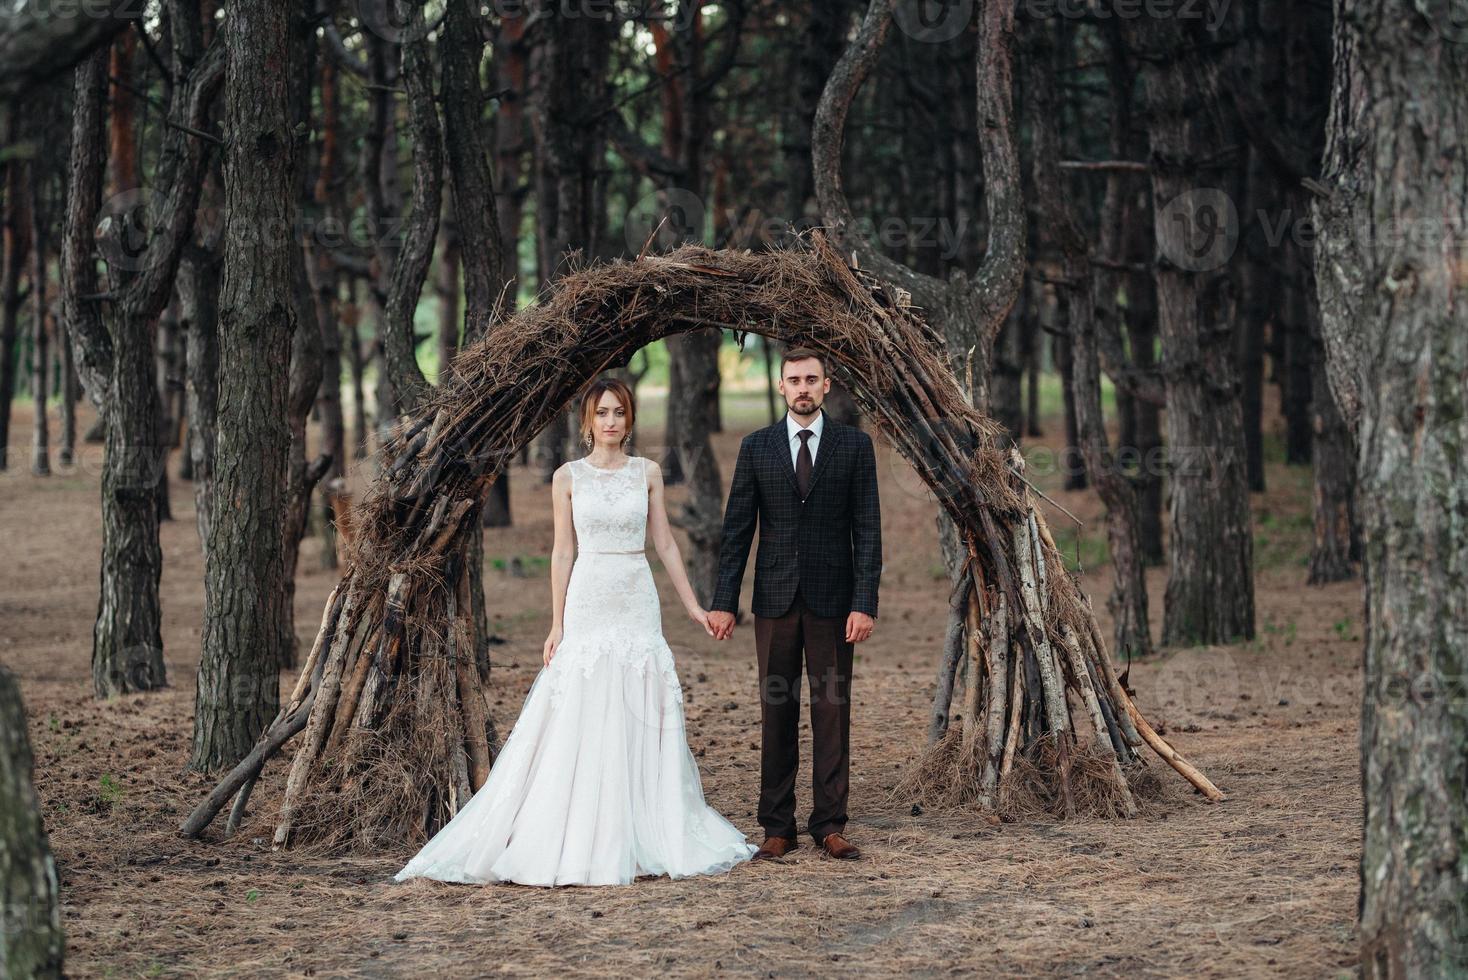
775	847
839	847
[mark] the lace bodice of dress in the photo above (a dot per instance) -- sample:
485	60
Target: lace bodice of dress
609	507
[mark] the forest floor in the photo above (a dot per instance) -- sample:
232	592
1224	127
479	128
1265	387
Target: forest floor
1264	883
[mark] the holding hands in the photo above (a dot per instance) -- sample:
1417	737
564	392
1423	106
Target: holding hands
721	624
701	616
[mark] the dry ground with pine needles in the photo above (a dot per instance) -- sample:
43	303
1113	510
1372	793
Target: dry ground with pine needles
1265	883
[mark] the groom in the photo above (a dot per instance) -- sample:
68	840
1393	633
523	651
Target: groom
810	483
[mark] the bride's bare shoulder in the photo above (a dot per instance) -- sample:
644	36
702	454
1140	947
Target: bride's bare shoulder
561	478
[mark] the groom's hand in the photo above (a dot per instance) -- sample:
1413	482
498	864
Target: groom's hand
722	624
858	627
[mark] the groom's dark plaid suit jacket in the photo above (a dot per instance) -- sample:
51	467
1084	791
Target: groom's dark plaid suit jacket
829	545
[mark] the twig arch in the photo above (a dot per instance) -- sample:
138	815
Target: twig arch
396	734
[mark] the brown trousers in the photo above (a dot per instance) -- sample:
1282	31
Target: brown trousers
780	642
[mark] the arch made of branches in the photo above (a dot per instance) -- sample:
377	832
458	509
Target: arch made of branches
395	733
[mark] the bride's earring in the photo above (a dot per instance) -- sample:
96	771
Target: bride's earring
587	440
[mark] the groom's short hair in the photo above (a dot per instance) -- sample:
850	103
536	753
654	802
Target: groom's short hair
800	354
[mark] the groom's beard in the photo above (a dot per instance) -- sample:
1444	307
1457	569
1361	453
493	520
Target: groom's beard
804	408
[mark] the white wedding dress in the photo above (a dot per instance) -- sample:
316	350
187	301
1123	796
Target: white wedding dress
595	784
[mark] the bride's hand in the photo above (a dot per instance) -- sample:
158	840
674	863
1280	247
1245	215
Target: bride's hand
551	642
700	616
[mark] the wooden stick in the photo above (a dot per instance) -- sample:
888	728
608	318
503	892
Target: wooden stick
976	668
323	637
1171	755
1016	700
247	768
324	700
1098	721
998	661
471	695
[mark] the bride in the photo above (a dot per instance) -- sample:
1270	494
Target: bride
595	784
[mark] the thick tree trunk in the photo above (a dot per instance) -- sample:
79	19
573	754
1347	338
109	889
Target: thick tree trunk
31	940
1210	587
238	686
115	358
1395	324
127	644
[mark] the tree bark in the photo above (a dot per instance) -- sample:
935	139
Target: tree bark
40	326
114	344
1210	586
238	686
1389	269
30	904
127	644
1335	547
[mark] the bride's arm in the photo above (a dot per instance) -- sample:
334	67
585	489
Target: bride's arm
667	547
563	555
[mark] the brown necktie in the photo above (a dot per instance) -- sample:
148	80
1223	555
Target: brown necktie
803	464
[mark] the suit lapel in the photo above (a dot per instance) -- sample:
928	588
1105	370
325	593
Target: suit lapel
830	439
780	445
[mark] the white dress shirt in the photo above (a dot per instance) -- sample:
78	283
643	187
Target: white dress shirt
792	430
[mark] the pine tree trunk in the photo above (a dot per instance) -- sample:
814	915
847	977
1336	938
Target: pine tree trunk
40	329
238	686
1335	549
31	940
1210	587
1395	324
199	298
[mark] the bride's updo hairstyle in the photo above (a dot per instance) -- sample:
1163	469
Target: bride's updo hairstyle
592	398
